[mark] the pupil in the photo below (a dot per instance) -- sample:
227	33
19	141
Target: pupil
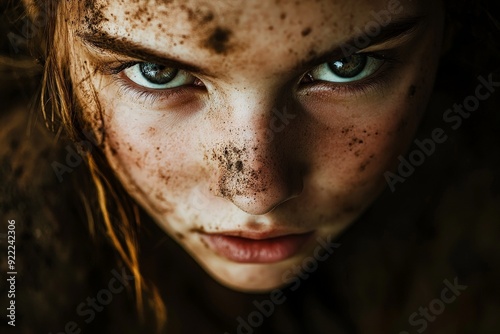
157	74
349	67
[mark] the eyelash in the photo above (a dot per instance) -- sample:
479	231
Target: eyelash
365	86
126	86
362	87
147	95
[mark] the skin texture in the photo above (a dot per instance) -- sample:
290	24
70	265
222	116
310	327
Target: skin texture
213	157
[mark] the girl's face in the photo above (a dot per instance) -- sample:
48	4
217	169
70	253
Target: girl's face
248	129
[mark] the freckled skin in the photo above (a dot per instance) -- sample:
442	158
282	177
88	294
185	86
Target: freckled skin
203	159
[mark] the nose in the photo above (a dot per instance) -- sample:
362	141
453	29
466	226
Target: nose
256	169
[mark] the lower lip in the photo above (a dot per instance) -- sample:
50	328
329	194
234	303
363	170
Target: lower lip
244	250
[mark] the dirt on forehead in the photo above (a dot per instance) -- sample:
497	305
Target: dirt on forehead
218	40
216	28
204	21
92	16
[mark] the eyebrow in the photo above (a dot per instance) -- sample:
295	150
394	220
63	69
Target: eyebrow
394	30
104	42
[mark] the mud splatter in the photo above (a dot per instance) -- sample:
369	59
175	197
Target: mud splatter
239	165
199	15
306	31
94	16
218	40
345	130
365	163
204	243
236	177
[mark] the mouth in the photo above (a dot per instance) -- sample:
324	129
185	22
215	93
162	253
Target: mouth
256	248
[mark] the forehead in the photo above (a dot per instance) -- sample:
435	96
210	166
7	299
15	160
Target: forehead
256	29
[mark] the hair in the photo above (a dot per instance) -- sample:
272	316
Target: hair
114	212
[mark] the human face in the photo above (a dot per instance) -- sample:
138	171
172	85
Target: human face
238	126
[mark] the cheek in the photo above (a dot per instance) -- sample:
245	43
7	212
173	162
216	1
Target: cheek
155	162
356	142
355	145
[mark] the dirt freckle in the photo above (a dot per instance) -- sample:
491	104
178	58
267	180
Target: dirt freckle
345	130
164	176
218	40
239	165
208	17
306	31
93	16
159	196
204	243
312	53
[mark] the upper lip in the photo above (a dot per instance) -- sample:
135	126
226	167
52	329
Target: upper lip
255	235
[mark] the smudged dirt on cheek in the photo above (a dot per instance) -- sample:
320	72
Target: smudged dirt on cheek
151	193
365	163
355	140
352	154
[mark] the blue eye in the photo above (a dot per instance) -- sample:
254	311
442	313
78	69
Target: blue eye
349	69
155	76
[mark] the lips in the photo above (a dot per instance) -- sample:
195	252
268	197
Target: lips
256	248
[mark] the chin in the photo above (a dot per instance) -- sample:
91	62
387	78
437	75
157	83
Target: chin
248	278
